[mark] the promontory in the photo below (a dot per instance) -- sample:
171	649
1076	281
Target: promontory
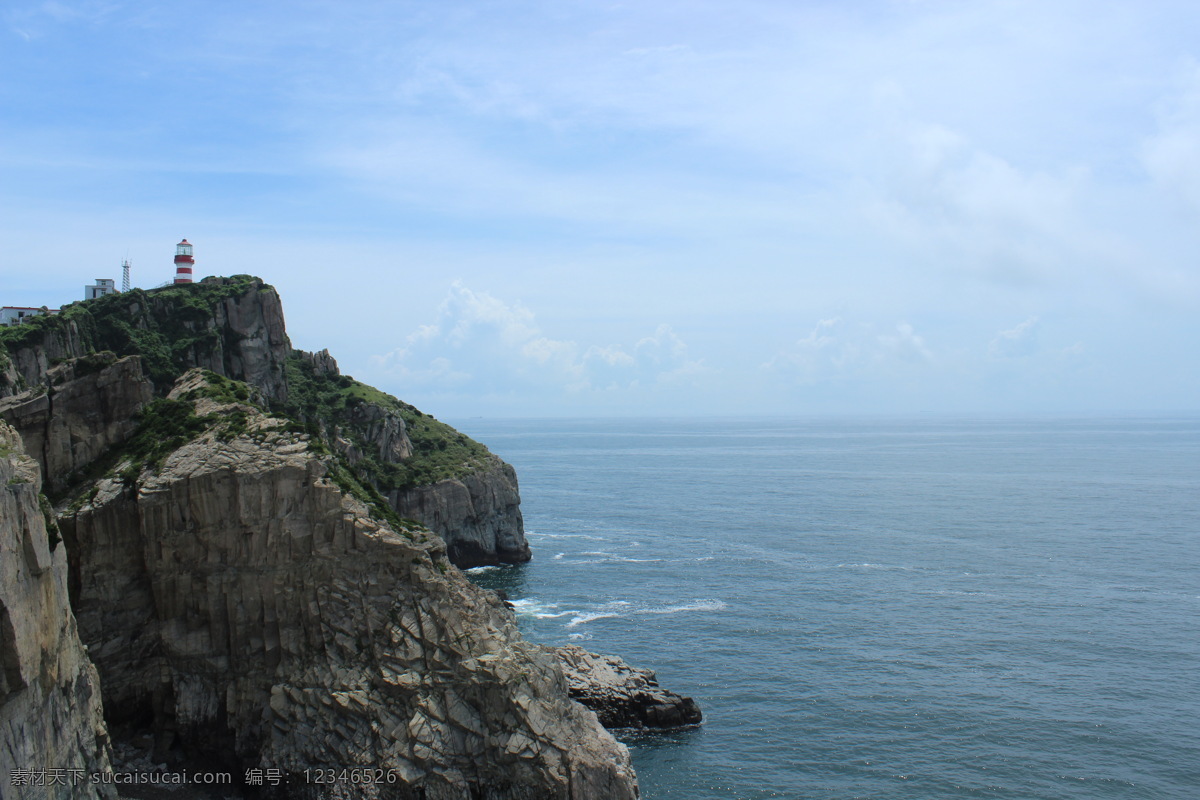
223	545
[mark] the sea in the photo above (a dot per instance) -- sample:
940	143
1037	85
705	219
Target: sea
879	608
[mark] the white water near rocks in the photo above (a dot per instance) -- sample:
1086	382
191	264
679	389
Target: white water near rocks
880	608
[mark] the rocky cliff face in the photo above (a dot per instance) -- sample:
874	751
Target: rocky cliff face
231	326
425	470
50	712
238	600
482	508
234	327
240	551
84	407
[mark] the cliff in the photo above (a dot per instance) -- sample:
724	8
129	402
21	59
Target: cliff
234	327
421	468
243	553
84	407
240	602
50	712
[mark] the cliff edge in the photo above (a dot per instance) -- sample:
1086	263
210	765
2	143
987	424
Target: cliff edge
50	712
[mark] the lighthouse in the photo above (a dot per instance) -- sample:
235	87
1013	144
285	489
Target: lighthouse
183	262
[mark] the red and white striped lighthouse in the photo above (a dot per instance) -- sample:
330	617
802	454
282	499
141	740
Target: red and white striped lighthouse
183	262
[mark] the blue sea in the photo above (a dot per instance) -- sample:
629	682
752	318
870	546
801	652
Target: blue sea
880	608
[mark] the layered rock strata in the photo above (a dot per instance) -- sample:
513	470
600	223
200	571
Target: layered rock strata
52	732
621	695
240	602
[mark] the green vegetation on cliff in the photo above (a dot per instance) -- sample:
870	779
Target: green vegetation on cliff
174	328
167	326
322	400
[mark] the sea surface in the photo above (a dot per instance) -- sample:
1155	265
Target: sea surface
880	608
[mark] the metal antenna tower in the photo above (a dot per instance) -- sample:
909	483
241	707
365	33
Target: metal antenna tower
125	275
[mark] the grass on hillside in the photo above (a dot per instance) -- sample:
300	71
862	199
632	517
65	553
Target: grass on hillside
439	451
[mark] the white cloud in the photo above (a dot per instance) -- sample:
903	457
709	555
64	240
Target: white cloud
837	351
903	344
480	343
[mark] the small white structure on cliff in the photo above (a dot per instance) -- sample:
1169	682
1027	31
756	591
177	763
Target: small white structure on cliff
15	315
101	287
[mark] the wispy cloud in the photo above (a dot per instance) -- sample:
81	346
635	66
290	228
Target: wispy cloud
837	351
1015	342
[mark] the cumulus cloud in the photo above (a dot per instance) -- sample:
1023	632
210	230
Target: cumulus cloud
481	343
904	344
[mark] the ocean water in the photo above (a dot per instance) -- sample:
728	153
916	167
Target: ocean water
891	608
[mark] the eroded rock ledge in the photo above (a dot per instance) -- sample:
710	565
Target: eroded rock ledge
623	696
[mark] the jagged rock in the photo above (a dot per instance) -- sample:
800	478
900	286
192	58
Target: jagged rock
85	406
479	515
382	428
322	363
27	366
252	323
623	696
50	710
238	601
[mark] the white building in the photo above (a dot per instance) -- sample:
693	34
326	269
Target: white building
102	287
15	315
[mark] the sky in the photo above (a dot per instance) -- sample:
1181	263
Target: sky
567	208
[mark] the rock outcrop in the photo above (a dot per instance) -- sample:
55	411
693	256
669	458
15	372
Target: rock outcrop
231	326
50	709
623	696
239	601
476	509
480	514
84	407
234	327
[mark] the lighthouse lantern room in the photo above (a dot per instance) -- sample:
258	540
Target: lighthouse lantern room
183	262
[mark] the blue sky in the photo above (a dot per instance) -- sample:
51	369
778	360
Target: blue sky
577	208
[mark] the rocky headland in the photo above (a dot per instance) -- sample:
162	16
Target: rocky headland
249	560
